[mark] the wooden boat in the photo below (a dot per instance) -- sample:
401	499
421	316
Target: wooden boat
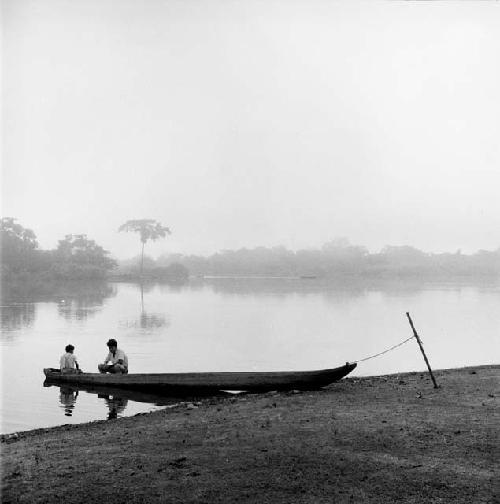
206	382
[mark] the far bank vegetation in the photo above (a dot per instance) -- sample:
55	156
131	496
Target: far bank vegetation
79	257
335	259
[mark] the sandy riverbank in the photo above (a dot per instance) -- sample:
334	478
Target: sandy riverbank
382	439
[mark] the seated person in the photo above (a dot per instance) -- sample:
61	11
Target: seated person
68	362
116	361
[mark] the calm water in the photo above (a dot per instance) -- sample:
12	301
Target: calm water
228	324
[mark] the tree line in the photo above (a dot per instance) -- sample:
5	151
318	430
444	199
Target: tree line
338	258
78	257
75	257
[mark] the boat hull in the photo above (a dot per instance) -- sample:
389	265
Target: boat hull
206	382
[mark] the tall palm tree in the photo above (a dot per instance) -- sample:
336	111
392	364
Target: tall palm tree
148	229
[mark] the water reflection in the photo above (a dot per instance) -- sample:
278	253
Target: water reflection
68	395
75	309
75	300
153	321
283	287
147	320
115	404
330	288
85	302
67	398
116	399
17	316
88	291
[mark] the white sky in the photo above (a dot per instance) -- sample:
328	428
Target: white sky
247	123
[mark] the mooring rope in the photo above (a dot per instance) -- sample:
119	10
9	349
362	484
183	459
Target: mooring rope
385	351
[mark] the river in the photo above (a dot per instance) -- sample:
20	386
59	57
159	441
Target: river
224	324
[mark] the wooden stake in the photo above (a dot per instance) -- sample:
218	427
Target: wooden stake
421	349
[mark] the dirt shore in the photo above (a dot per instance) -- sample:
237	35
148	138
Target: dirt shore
379	440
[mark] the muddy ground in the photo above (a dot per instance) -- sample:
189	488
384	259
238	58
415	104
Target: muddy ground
378	440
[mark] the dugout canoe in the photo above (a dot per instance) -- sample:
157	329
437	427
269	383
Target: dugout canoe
206	382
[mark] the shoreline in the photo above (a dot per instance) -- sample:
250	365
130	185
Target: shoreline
384	438
4	437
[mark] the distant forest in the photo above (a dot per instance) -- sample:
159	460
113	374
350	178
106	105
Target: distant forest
77	257
337	258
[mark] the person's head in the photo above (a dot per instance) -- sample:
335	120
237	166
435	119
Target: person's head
112	344
69	348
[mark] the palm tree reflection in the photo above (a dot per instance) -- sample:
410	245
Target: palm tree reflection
147	320
150	320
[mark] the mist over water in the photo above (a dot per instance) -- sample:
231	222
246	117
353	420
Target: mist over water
248	124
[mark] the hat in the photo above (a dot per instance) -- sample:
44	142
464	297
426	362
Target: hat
112	342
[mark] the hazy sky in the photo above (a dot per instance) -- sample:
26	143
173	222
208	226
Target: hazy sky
247	123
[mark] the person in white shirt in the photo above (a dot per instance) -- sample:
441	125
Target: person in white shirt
116	361
68	362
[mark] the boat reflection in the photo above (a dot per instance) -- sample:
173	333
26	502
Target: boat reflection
116	399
